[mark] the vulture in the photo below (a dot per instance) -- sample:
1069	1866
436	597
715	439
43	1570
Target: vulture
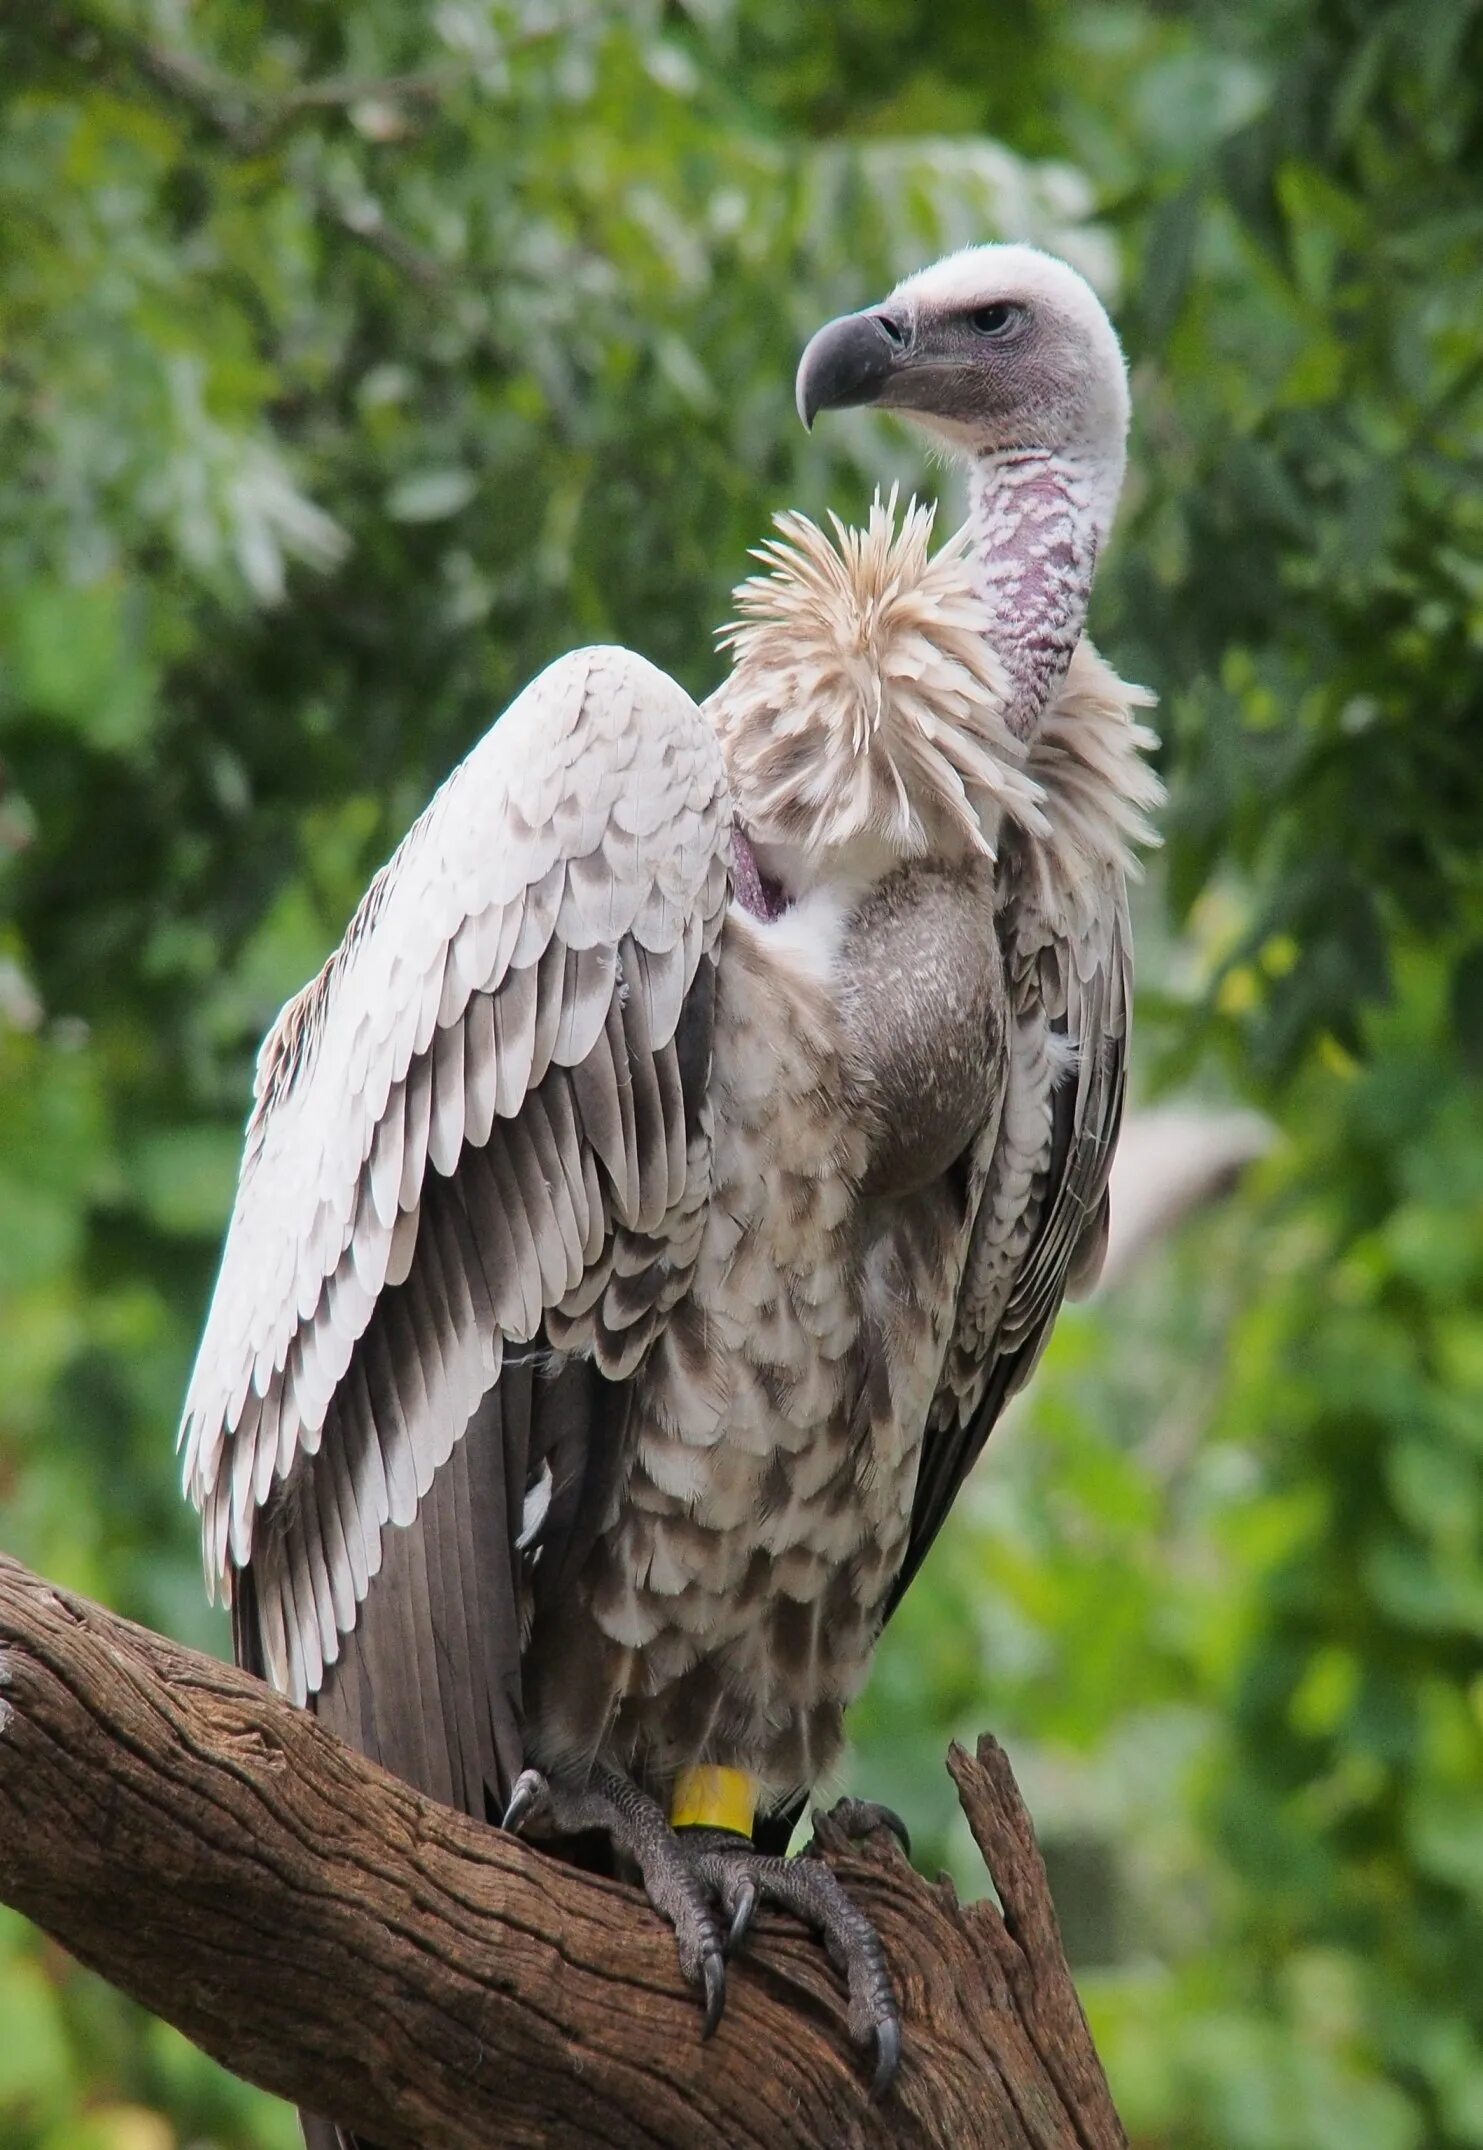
649	1209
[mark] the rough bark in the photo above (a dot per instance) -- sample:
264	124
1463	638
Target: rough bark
329	1934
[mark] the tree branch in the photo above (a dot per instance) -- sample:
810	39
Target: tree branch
329	1934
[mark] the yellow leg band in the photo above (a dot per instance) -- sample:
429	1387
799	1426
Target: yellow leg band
713	1798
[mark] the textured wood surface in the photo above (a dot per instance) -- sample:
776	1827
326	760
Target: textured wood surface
334	1937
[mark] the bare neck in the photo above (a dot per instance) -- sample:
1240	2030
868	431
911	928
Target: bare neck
1036	520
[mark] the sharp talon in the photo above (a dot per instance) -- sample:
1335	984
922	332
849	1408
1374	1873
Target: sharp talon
741	1915
713	1972
887	2057
528	1795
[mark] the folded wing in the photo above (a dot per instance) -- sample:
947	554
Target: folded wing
1041	1227
475	1179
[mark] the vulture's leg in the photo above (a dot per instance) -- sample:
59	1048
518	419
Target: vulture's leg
692	1873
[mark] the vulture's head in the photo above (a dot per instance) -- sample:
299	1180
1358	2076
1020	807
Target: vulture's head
996	349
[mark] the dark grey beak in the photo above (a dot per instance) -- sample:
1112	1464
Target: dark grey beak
848	362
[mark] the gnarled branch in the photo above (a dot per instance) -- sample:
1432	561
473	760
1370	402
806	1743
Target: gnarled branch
329	1934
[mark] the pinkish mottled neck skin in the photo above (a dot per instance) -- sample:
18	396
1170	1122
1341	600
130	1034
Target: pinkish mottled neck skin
1036	518
753	889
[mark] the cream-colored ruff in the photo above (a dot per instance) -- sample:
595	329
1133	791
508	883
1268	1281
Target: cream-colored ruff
867	702
864	699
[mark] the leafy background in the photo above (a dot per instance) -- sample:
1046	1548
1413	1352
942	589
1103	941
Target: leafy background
353	362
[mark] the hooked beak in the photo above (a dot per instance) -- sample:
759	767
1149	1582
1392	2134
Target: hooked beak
848	362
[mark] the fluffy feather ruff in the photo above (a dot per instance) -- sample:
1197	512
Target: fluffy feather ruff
865	703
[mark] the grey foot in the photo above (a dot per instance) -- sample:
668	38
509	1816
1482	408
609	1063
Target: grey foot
741	1877
698	1878
636	1825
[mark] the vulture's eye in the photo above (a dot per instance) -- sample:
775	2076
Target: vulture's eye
995	320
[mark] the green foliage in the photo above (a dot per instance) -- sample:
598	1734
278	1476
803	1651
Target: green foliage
353	363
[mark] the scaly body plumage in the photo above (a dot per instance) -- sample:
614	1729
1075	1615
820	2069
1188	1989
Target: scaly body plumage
728	1611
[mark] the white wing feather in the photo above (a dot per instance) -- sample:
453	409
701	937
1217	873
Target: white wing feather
588	829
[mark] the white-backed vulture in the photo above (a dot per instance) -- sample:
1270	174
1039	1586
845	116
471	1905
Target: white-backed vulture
652	1204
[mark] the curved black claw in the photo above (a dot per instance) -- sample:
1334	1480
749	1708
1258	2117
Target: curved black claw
887	2057
713	1973
530	1795
743	1907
